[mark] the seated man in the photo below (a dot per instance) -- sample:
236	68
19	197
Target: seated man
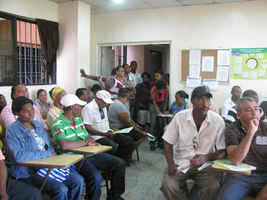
13	189
193	137
246	141
95	118
83	94
119	118
69	131
230	102
232	113
27	140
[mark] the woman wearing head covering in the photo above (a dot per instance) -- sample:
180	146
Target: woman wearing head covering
27	140
179	104
56	109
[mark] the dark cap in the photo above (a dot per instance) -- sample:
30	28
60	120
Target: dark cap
201	91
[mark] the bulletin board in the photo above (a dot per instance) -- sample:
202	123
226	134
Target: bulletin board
204	75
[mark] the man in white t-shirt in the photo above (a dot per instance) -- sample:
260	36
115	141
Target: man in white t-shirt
230	103
95	118
134	76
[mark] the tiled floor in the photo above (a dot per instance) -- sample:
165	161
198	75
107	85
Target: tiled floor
143	179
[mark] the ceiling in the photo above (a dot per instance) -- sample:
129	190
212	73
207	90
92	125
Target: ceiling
101	6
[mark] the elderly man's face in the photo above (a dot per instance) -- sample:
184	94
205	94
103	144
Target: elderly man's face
202	104
249	111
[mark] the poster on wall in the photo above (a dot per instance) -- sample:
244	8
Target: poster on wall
249	63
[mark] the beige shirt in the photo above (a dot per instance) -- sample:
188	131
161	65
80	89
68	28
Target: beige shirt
188	142
52	114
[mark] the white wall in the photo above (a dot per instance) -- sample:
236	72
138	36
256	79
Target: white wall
206	27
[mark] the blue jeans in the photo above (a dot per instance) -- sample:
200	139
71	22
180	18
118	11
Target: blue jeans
237	186
113	165
59	190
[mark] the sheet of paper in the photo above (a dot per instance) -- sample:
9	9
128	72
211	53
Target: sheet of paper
211	83
193	82
223	57
125	130
207	63
151	137
195	57
194	71
222	73
205	165
227	164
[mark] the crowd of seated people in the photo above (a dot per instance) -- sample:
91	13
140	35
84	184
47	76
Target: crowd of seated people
30	129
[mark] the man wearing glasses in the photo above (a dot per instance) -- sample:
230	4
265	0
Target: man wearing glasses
192	138
95	118
246	141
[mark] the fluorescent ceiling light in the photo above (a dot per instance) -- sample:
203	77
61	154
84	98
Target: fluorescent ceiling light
117	1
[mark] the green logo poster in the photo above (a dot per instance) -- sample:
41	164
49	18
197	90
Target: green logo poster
249	63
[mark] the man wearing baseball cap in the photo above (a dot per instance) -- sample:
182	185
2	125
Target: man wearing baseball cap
193	137
69	132
95	118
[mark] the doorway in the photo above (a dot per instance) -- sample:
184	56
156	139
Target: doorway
150	57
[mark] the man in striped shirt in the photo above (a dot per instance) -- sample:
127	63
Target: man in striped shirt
69	132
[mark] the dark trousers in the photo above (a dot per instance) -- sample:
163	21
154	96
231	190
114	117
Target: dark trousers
106	162
126	143
109	142
18	190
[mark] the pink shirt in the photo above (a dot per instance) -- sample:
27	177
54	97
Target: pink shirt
2	157
8	117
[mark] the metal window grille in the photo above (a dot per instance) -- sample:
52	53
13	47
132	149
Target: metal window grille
31	70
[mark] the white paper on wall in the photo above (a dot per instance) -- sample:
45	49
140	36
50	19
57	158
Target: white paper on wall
223	57
194	57
207	63
222	73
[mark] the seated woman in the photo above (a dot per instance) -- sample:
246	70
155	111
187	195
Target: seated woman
8	117
119	118
180	103
27	140
42	103
56	109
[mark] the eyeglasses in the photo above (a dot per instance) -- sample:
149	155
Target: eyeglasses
102	114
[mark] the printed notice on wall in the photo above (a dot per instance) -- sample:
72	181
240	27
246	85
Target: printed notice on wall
223	57
194	71
222	73
195	57
207	64
249	63
193	82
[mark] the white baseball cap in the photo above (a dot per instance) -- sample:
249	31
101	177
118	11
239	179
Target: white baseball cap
105	96
70	100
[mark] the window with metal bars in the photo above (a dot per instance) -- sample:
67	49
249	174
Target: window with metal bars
21	58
